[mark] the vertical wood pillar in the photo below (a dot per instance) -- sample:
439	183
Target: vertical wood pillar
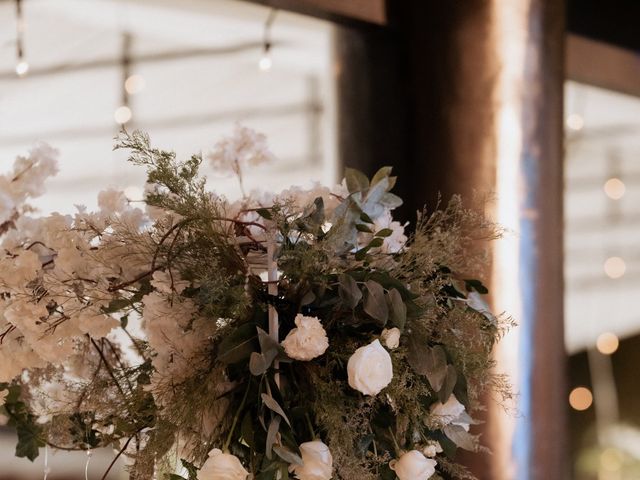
464	97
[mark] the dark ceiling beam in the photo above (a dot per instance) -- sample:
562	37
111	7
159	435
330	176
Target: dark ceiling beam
611	21
339	11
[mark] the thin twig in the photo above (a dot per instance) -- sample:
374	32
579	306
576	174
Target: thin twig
113	462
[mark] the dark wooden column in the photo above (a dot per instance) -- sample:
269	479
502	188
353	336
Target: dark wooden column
426	95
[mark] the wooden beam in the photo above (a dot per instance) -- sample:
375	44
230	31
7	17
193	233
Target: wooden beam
602	65
368	11
464	97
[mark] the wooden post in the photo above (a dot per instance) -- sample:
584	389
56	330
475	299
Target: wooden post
464	97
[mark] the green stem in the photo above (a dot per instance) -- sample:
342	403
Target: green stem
310	425
395	442
235	418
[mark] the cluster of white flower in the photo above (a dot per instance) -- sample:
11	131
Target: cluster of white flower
54	274
244	148
26	180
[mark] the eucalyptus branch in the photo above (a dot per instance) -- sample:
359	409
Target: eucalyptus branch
236	416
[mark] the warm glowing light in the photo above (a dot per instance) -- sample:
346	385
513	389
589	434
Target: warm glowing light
614	267
22	68
134	84
575	122
122	114
614	188
134	193
265	63
607	343
580	398
611	459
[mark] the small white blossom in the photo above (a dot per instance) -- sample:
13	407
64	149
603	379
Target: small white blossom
432	449
307	341
112	201
391	338
245	147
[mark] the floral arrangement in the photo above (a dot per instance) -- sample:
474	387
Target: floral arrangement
305	334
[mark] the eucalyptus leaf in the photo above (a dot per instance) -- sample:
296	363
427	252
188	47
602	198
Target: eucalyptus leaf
272	433
382	173
268	345
274	406
375	304
397	309
264	213
361	227
349	291
448	385
308	298
356	180
428	361
238	345
390	201
257	364
287	455
461	437
385	232
376	242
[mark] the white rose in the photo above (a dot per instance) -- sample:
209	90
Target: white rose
391	338
413	465
450	412
317	462
308	341
222	466
370	369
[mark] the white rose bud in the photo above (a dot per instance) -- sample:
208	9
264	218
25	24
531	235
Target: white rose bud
448	412
370	369
413	465
308	341
391	338
222	466
317	462
432	449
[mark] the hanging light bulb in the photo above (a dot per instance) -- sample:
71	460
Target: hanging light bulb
265	63
134	83
22	68
122	114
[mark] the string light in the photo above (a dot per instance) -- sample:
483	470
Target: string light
614	188
22	66
614	267
607	343
265	63
575	122
122	114
134	84
580	398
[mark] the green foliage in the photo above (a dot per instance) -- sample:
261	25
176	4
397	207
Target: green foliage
30	434
241	392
